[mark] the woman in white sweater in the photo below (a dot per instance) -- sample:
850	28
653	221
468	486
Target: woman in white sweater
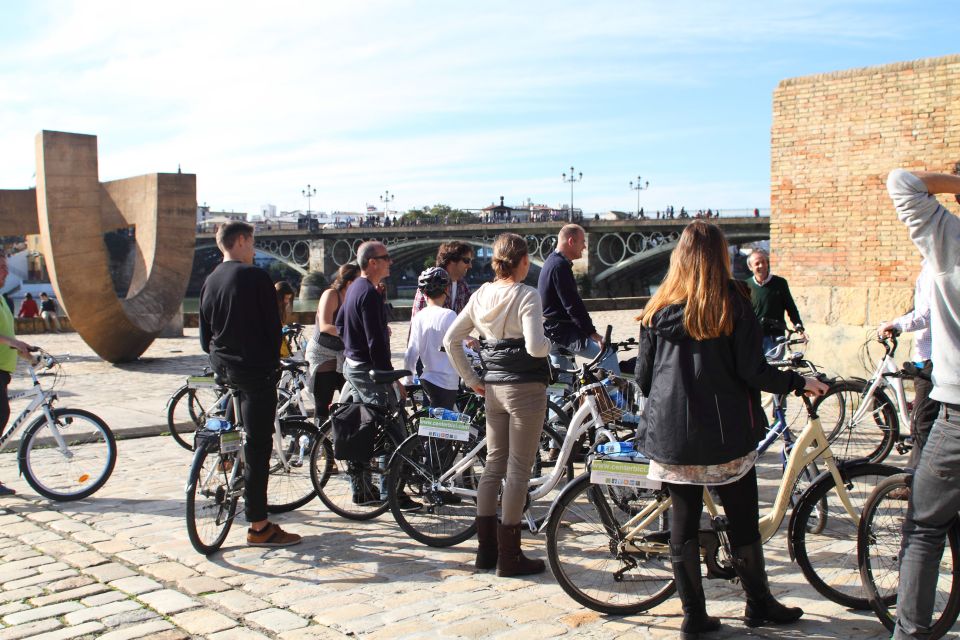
509	316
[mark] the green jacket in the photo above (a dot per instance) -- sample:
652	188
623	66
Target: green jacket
770	302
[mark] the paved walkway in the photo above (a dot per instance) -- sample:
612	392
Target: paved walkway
119	565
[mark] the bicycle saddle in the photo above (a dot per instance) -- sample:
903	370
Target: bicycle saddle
385	377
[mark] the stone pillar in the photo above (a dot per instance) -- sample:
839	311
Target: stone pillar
321	258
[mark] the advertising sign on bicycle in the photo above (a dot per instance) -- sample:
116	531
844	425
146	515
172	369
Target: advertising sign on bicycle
201	382
446	429
622	474
230	441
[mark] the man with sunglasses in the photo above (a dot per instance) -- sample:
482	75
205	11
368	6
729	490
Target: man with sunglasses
455	258
362	324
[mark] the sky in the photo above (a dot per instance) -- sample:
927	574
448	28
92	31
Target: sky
436	101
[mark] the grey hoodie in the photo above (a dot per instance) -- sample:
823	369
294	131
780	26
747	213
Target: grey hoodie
936	232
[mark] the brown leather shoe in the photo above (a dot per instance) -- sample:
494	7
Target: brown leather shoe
271	536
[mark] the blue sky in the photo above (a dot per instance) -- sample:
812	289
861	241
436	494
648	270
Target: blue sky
435	101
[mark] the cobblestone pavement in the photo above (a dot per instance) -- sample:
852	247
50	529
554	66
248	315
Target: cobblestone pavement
119	565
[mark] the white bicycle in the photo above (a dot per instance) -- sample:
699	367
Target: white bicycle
64	454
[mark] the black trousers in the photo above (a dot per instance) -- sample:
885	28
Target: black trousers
740	504
257	393
324	384
4	400
440	397
925	411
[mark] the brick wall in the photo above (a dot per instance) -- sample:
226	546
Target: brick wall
833	231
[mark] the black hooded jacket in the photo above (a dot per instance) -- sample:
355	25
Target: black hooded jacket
703	396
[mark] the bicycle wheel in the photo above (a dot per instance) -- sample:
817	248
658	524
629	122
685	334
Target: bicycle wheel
445	518
290	486
828	557
74	470
818	518
857	426
187	411
588	555
349	489
878	554
213	489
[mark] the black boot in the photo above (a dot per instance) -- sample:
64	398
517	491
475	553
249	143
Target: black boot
486	543
510	560
686	574
761	607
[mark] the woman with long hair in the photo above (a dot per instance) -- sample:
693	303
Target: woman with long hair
324	353
701	369
515	373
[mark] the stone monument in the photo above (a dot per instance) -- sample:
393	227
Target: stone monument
71	210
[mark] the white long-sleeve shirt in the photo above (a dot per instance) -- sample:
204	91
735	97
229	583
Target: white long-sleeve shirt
426	335
919	318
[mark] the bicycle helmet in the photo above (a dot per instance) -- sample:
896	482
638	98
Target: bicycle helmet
433	281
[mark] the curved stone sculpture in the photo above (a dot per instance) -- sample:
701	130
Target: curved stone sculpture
72	210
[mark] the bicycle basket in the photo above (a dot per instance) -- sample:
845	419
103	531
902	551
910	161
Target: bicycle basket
618	399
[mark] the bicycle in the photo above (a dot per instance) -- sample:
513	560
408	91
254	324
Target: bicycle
860	418
202	396
215	482
445	475
879	537
340	483
64	454
608	544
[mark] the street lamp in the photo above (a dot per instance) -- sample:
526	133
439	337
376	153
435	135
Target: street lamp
386	199
572	179
638	188
308	193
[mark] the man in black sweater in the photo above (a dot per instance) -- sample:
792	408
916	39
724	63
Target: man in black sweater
240	329
771	299
565	318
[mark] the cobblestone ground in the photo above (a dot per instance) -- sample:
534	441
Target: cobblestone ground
119	565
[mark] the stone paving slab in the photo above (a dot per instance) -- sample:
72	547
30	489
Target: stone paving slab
120	566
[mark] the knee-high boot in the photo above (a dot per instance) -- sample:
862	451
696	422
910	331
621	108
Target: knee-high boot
486	543
686	573
761	607
510	560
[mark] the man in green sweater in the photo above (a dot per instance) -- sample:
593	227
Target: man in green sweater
771	299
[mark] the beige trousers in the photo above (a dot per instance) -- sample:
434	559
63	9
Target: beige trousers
515	414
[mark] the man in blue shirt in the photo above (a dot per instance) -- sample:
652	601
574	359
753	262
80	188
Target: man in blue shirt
565	318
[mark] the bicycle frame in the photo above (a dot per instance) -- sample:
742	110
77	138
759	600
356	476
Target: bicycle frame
810	445
41	399
587	416
886	375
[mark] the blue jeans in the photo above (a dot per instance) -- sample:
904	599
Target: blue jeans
588	350
934	502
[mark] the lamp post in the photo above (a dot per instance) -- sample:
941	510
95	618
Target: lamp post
572	179
386	199
640	186
308	193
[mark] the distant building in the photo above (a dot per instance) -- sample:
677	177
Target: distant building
208	221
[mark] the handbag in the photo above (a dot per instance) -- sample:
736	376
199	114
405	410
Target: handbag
327	341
